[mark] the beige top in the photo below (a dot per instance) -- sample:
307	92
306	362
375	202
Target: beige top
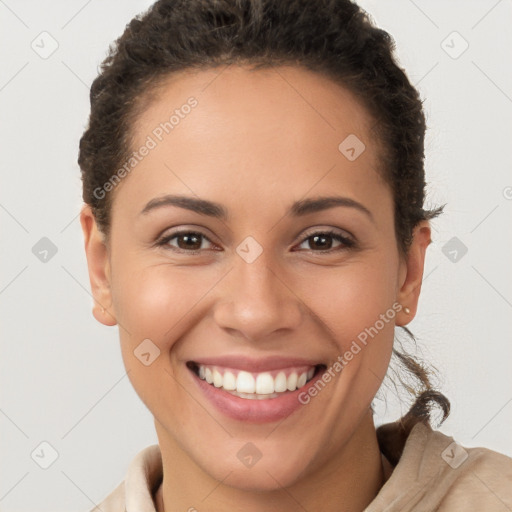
434	473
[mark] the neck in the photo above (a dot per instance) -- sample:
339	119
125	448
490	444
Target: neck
348	481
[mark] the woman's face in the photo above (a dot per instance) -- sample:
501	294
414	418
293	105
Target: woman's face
254	281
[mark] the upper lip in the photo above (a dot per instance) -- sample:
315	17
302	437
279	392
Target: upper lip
251	364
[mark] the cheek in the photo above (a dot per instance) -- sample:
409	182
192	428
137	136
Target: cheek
351	299
153	301
153	307
355	304
161	304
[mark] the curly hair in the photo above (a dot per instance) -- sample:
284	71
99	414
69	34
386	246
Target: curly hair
335	38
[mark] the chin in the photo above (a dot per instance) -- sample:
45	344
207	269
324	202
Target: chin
262	479
277	465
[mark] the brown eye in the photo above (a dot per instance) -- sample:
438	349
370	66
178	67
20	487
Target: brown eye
320	242
327	241
187	241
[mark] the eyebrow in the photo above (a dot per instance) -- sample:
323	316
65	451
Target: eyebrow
216	210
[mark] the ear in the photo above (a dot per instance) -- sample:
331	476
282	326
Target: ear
98	264
411	273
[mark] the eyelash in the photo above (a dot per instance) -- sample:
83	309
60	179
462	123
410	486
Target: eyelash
347	242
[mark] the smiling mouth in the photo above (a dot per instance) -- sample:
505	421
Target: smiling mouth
256	385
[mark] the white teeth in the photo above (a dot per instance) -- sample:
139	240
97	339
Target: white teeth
229	382
292	382
280	383
217	379
264	384
258	386
245	383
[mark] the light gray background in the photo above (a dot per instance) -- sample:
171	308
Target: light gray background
62	377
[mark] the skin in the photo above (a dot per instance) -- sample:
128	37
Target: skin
255	144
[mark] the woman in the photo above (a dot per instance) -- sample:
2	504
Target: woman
254	223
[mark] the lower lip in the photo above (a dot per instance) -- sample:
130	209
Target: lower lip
253	410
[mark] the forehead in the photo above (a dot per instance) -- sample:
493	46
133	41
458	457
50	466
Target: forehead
257	99
283	129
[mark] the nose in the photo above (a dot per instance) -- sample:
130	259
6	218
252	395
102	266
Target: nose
257	301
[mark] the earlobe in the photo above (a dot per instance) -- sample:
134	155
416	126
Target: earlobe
98	265
411	273
103	315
